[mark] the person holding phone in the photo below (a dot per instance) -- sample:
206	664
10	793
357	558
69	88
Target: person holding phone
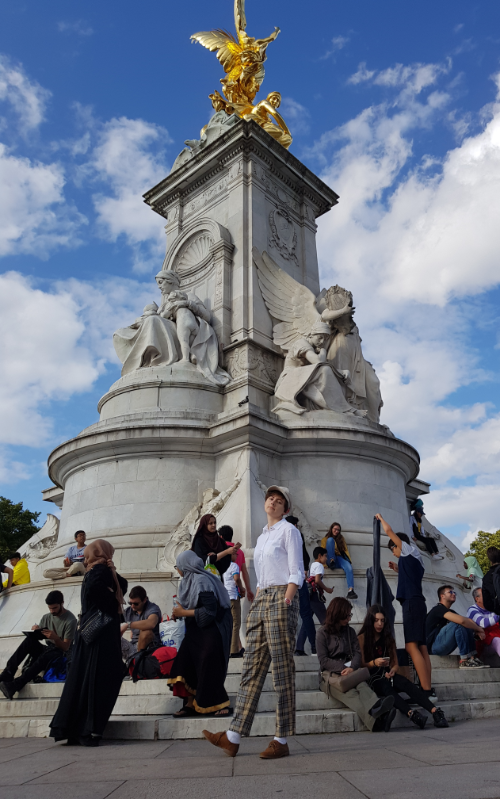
56	629
378	649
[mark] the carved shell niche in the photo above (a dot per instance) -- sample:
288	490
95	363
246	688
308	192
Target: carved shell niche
194	253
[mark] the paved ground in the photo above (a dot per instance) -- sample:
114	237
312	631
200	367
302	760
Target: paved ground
462	761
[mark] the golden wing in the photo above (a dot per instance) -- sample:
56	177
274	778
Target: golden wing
240	19
228	49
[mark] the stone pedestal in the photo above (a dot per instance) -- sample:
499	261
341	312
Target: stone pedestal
170	444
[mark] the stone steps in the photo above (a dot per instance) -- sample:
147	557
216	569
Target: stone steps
143	709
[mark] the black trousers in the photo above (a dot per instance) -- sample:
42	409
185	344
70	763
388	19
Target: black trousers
383	687
43	656
429	543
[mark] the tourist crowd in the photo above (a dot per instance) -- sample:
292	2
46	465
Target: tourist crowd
362	670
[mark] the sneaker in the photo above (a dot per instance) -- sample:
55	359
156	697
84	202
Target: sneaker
275	750
221	740
480	663
8	690
352	594
435	556
300	653
439	719
418	719
466	663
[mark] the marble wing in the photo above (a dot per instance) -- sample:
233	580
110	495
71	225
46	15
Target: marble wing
228	49
291	303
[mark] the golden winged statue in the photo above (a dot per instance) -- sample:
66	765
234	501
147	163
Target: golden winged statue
243	61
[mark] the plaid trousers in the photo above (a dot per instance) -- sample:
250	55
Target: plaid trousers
270	638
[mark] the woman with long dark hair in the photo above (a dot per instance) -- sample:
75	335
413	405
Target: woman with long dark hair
208	544
200	667
378	649
96	671
338	556
340	656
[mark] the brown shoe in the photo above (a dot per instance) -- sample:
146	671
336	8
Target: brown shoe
221	740
275	750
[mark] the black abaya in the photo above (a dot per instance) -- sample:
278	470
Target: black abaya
96	672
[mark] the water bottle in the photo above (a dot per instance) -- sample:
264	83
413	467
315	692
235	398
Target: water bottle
174	602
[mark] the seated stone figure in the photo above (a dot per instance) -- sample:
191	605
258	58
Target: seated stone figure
179	330
219	123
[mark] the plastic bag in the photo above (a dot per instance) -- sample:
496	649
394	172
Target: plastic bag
172	632
209	567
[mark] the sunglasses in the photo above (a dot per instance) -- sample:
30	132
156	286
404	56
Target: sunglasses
134	604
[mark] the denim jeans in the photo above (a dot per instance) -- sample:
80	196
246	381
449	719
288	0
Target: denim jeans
339	562
307	629
451	636
319	610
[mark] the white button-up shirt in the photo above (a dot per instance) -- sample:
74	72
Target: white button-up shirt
278	556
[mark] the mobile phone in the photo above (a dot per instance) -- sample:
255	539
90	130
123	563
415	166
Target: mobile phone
347	665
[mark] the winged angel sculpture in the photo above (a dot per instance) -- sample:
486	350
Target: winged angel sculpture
310	380
243	61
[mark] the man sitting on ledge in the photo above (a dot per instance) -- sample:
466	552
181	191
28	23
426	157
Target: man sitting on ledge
143	618
58	628
73	562
20	573
445	630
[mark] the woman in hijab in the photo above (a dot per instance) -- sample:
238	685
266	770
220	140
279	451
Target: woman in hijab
474	574
199	670
96	671
207	543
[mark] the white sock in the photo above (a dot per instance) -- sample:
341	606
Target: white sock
280	740
233	737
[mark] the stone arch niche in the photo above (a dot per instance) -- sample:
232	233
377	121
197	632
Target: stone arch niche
202	257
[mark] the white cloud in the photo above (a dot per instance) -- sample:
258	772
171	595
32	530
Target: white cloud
54	345
34	215
337	43
129	158
25	97
11	471
414	240
295	115
80	27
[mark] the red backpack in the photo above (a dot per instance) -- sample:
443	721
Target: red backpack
152	664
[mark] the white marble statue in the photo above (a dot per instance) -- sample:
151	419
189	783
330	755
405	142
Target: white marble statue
178	331
219	123
346	355
308	381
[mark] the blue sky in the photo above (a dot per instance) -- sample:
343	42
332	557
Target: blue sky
396	105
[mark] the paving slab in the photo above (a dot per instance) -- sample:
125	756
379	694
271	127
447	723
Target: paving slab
108	768
289	786
466	781
315	763
94	790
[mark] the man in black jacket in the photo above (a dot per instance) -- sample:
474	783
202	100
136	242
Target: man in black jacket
491	581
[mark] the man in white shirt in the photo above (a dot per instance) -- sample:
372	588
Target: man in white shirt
73	562
271	628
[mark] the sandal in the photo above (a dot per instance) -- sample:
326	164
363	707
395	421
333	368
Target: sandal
224	712
184	712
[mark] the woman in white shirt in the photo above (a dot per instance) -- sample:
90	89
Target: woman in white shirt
271	628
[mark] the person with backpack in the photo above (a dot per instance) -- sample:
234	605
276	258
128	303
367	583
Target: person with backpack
316	589
491	582
199	670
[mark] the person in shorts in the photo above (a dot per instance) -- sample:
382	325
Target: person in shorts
410	570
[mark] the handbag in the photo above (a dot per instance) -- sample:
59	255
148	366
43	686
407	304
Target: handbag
94	626
348	681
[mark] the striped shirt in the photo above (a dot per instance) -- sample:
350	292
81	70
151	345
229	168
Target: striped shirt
483	618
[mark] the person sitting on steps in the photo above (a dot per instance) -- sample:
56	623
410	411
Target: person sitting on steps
73	562
57	628
143	618
488	621
338	556
378	648
445	630
317	597
419	533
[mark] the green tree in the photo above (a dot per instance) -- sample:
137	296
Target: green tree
16	526
479	546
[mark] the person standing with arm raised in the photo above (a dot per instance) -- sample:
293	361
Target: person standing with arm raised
271	628
410	569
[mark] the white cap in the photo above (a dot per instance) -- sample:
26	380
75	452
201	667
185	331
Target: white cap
286	493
